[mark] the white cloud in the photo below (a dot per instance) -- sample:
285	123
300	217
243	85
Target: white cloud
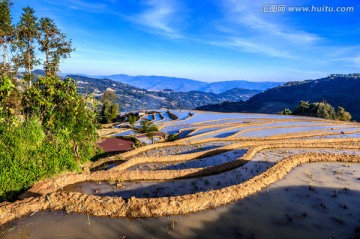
80	5
247	45
252	30
161	17
356	61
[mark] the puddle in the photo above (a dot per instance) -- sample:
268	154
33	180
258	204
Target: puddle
287	209
177	150
276	131
144	189
339	136
197	163
222	134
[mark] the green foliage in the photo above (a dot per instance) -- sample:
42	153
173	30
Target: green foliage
286	111
54	44
6	86
60	109
28	154
109	109
6	32
321	110
109	112
58	133
172	137
9	100
132	119
149	128
45	128
108	96
343	115
27	34
5	19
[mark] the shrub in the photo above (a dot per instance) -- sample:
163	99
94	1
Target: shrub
172	137
55	133
320	110
28	154
286	111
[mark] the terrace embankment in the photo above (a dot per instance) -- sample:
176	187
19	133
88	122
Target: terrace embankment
49	196
120	173
155	207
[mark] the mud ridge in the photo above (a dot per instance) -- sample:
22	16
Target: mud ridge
156	207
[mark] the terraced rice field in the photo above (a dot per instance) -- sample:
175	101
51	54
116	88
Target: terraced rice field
229	176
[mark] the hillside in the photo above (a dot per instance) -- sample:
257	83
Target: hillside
337	90
133	98
182	84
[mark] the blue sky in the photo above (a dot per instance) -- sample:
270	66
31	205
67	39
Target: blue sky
207	40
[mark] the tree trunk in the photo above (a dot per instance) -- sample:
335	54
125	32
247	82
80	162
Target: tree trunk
4	56
28	63
47	63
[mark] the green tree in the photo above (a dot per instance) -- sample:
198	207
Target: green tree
109	112
343	115
61	109
108	96
132	119
323	110
54	44
47	128
149	128
27	34
109	109
302	108
6	33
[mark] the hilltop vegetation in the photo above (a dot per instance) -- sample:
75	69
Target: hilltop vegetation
337	90
320	110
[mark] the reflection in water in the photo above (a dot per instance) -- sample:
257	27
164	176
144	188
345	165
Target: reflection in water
316	200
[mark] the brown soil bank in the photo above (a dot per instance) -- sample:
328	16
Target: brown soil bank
120	173
155	207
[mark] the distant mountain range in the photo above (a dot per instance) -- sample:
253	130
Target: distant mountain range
336	89
184	85
134	98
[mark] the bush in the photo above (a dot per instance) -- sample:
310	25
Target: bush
28	154
172	137
343	115
321	110
286	111
55	133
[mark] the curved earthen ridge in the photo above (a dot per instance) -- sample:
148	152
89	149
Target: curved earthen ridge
50	198
120	173
155	207
143	150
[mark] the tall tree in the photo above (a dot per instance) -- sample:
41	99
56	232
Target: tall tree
149	128
6	33
109	109
27	35
54	44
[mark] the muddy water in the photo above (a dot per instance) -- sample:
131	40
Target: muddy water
313	201
177	150
144	189
196	163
